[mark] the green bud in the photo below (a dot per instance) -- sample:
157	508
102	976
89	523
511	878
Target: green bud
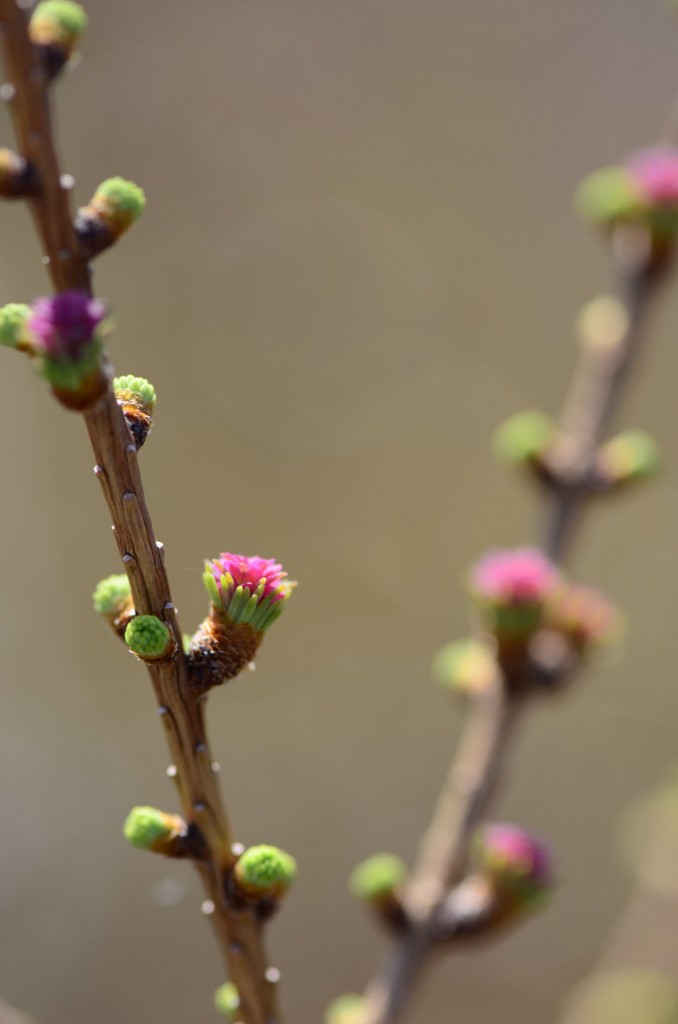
609	195
602	323
58	23
13	320
130	388
150	829
631	455
465	666
227	1000
377	877
265	871
112	596
347	1009
113	208
120	202
524	437
148	637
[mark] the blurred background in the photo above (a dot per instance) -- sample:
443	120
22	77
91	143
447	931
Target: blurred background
359	256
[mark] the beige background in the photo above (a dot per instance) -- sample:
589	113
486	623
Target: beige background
359	255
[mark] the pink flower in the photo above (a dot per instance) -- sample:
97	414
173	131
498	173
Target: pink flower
511	850
249	572
519	866
247	589
655	171
514	576
64	325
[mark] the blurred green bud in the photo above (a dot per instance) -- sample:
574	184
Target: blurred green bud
347	1009
264	871
113	208
524	438
150	829
466	666
609	195
119	202
377	877
112	596
602	323
227	1000
630	456
148	637
13	330
59	24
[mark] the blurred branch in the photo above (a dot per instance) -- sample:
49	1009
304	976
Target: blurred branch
467	791
598	387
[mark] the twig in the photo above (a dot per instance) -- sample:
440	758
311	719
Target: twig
238	929
471	782
32	120
595	392
469	785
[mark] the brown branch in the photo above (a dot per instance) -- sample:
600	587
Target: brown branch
33	123
441	860
595	393
238	929
596	388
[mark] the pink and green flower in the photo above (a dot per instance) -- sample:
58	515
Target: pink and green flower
518	865
511	587
64	332
642	189
246	589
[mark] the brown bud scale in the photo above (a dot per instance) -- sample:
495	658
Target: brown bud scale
220	650
138	419
94	235
120	622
